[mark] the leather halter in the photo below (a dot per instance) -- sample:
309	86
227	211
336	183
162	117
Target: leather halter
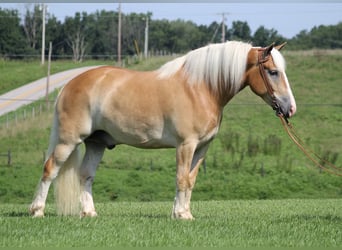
262	58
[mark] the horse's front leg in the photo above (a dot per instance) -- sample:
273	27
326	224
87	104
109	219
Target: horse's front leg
186	178
92	157
184	181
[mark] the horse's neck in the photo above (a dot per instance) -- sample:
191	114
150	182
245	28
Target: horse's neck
224	96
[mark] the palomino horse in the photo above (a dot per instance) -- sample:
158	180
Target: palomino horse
177	106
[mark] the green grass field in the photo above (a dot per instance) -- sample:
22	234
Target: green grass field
257	188
251	158
281	223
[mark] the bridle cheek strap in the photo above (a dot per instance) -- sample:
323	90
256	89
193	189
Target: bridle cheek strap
261	60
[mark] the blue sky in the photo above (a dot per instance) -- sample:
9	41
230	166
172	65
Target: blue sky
287	18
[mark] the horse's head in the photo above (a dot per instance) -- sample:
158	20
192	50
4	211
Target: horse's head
266	77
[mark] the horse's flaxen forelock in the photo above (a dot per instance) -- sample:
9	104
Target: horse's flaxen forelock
214	65
278	60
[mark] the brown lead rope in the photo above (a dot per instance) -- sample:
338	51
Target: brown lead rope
292	134
310	150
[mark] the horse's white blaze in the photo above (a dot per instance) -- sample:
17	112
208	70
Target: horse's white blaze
279	62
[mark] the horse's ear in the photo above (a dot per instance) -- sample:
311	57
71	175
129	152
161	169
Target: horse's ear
268	50
279	47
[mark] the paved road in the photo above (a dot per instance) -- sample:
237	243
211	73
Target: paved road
35	90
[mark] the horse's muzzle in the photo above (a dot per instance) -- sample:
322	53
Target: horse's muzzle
284	107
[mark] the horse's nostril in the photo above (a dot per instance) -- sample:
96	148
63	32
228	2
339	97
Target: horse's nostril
292	111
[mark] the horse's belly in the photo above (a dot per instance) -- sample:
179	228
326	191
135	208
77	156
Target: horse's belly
141	134
144	140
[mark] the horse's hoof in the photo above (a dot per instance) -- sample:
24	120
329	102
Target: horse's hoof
88	214
36	211
183	216
38	214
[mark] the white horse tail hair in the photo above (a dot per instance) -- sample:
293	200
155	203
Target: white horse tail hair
67	183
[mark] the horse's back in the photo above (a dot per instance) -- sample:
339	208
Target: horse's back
104	75
91	85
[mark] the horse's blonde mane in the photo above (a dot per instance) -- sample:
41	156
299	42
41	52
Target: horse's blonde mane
214	65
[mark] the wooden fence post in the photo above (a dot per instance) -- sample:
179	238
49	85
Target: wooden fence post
9	158
44	156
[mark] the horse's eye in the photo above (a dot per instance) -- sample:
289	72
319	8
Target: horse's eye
273	72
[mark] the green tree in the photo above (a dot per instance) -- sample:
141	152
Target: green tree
75	31
158	34
103	34
32	26
54	34
240	31
12	42
133	26
264	37
301	41
183	36
96	34
326	37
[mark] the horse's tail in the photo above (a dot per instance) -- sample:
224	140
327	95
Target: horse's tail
67	183
67	186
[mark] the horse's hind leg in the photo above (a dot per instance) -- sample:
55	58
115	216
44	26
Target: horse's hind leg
50	172
38	204
93	156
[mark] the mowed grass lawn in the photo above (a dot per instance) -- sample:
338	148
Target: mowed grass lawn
234	223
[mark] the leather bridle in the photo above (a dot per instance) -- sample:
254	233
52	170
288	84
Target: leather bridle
262	58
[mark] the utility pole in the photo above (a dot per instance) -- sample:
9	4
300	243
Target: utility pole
119	36
43	33
48	78
146	37
223	39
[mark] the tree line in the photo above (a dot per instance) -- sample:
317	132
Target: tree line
95	35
